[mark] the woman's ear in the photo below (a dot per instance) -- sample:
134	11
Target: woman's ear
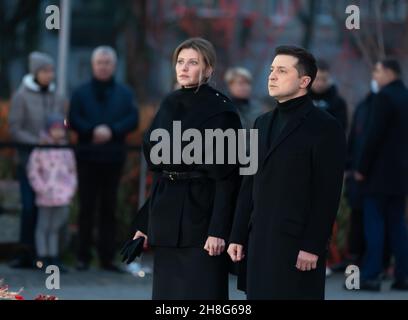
208	72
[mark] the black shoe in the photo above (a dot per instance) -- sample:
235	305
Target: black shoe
82	266
400	285
370	285
21	263
112	268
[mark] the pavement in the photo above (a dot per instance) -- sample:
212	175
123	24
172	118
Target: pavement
95	284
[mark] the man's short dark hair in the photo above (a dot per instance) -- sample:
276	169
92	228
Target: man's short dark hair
306	65
322	65
392	65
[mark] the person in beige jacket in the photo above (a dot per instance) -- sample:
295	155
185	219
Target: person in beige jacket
31	103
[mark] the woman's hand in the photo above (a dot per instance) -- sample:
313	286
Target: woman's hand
139	234
214	246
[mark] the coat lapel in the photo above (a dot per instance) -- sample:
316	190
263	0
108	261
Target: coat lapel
292	125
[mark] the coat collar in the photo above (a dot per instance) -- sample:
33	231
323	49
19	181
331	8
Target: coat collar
291	127
29	83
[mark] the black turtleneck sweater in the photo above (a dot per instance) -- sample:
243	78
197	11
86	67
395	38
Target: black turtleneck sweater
285	111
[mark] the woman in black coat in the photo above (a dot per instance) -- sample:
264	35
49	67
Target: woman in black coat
188	217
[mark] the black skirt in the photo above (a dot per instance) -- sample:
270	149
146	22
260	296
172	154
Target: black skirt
189	274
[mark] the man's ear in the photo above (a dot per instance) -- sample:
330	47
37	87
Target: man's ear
305	81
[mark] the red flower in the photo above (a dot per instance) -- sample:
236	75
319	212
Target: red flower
45	297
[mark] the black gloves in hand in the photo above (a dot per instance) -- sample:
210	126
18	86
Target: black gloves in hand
132	249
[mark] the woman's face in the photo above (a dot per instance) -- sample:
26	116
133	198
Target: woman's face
240	88
190	68
45	75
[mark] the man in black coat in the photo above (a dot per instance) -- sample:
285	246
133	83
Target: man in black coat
102	113
383	170
285	212
325	95
353	188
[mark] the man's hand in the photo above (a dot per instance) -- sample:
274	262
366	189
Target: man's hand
306	261
101	134
236	252
358	176
214	246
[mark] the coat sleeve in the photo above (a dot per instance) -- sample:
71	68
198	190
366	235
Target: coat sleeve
328	164
141	221
33	173
243	212
77	122
378	124
129	122
226	179
16	118
243	209
71	164
226	191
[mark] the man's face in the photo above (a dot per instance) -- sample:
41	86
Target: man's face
103	67
284	82
382	75
321	82
240	88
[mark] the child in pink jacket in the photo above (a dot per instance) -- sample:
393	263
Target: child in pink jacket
52	174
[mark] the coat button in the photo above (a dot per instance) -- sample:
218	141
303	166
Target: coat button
217	94
225	101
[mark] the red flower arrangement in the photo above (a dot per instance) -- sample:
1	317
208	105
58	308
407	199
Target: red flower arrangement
5	294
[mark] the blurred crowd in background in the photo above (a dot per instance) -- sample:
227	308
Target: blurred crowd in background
93	186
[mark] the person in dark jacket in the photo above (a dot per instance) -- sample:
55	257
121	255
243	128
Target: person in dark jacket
188	217
239	82
353	188
383	170
285	212
102	113
325	94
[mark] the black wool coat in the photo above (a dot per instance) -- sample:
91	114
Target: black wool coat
290	204
384	155
183	213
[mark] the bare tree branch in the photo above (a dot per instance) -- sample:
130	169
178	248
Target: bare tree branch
379	29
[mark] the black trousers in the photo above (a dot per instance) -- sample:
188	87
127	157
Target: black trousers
98	185
28	214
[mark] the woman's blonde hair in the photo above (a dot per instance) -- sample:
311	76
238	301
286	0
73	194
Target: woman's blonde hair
204	48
